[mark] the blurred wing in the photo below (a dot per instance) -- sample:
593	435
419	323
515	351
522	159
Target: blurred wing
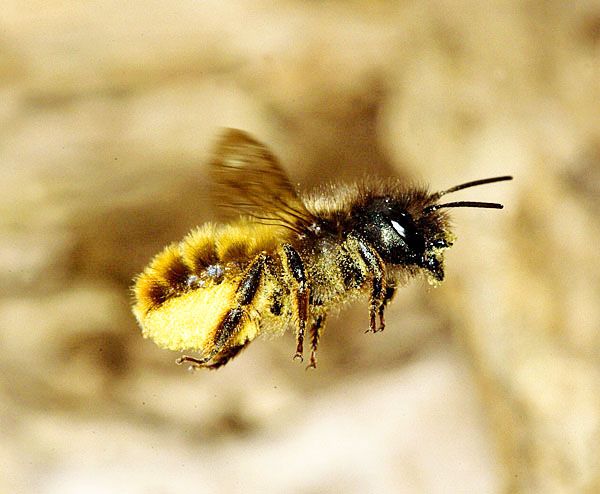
251	182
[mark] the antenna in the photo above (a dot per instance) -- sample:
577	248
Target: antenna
463	204
466	204
470	184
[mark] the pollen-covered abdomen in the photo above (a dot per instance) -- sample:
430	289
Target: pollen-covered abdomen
188	321
188	288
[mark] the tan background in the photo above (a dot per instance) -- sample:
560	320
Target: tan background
488	384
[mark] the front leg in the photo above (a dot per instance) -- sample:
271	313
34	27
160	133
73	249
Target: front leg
390	291
294	272
376	269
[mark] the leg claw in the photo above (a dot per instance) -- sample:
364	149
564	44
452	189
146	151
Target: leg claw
195	364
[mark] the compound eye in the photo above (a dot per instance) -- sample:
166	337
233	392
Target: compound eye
440	243
399	229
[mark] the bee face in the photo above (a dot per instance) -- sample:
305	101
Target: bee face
405	236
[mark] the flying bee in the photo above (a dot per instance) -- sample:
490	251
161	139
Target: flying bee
288	259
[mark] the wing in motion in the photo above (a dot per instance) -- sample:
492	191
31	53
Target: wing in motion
250	180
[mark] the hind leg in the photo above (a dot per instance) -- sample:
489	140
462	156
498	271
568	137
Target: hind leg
217	361
222	348
226	355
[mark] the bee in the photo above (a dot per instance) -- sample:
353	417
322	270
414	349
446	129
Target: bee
289	258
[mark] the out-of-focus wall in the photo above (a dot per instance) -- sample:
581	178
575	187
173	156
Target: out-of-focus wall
487	384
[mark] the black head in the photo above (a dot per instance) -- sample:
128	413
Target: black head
411	229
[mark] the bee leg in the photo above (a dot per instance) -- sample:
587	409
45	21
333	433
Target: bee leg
315	335
376	269
226	356
390	291
196	363
220	361
231	322
294	270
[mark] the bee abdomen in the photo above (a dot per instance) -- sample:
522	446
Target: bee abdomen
166	276
198	249
207	256
179	268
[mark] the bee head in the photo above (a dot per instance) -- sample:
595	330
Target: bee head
412	229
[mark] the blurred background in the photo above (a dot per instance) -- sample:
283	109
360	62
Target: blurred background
488	384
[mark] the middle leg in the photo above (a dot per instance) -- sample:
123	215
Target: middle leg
294	269
315	335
